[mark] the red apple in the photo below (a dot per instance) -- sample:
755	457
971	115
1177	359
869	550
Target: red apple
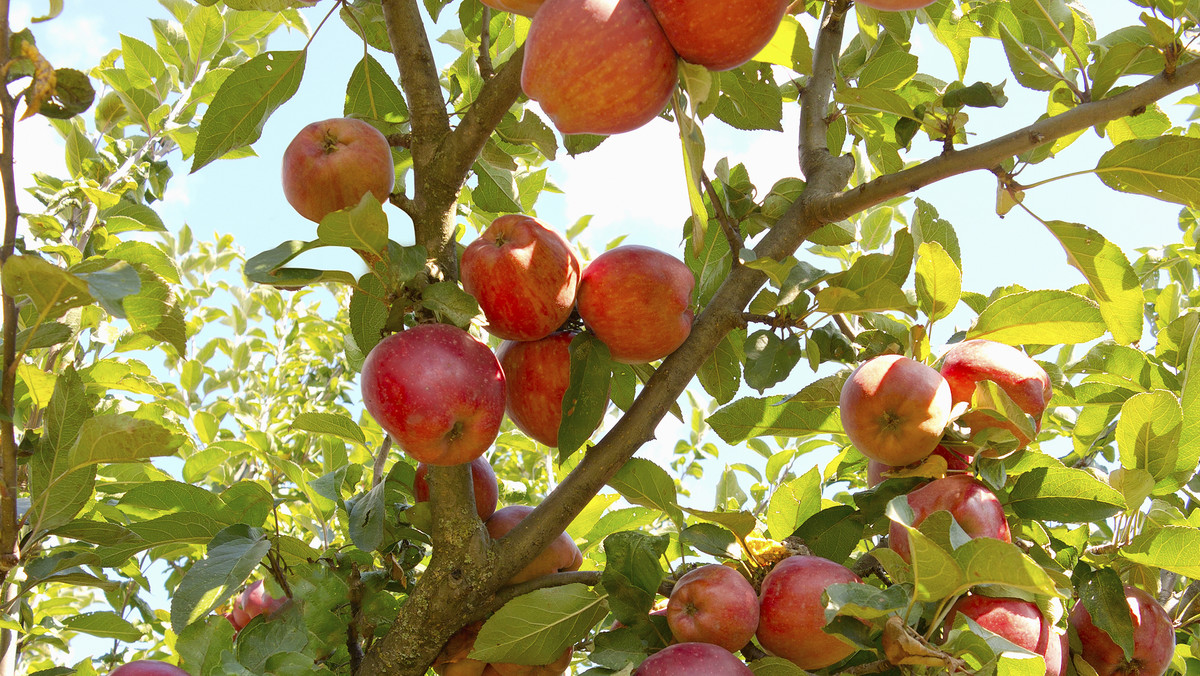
718	35
147	668
555	668
524	276
955	462
1057	653
693	659
1153	638
251	603
972	505
792	612
522	7
638	302
537	374
598	66
1014	619
331	164
713	604
437	390
483	481
895	5
560	555
1021	378
894	409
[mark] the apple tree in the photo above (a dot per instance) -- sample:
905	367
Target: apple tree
1006	479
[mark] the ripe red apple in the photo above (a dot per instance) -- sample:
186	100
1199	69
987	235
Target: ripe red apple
894	409
693	659
524	276
638	302
522	7
483	481
560	555
251	603
972	505
955	462
331	164
437	390
1014	619
147	668
537	374
792	613
598	66
1021	378
713	604
895	5
718	35
1153	638
1057	653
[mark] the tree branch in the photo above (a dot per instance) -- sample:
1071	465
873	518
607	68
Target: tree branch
418	76
838	206
8	377
814	102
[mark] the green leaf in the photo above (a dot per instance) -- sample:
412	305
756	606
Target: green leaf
711	539
939	281
142	63
496	189
1040	317
368	312
372	94
236	116
1166	168
104	625
642	482
769	358
363	227
991	561
1108	272
1063	494
50	289
632	573
1189	433
879	296
936	574
888	70
1026	68
773	416
833	532
449	301
1148	433
741	523
268	267
232	556
1103	597
721	373
793	503
586	399
789	47
537	627
775	666
156	313
1172	547
330	423
864	601
750	99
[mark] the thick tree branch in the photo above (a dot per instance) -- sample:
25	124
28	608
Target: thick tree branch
835	207
418	76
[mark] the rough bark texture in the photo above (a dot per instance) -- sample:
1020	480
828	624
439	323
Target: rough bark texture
466	573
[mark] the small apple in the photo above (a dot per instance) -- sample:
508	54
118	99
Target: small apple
718	35
638	302
331	164
251	603
895	5
437	390
1021	378
894	409
483	481
792	612
522	7
560	555
524	276
713	604
693	659
1017	620
972	505
537	374
955	462
598	66
147	668
1153	638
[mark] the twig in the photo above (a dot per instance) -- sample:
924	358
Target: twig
380	460
774	321
485	45
867	668
9	555
814	101
353	644
727	225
